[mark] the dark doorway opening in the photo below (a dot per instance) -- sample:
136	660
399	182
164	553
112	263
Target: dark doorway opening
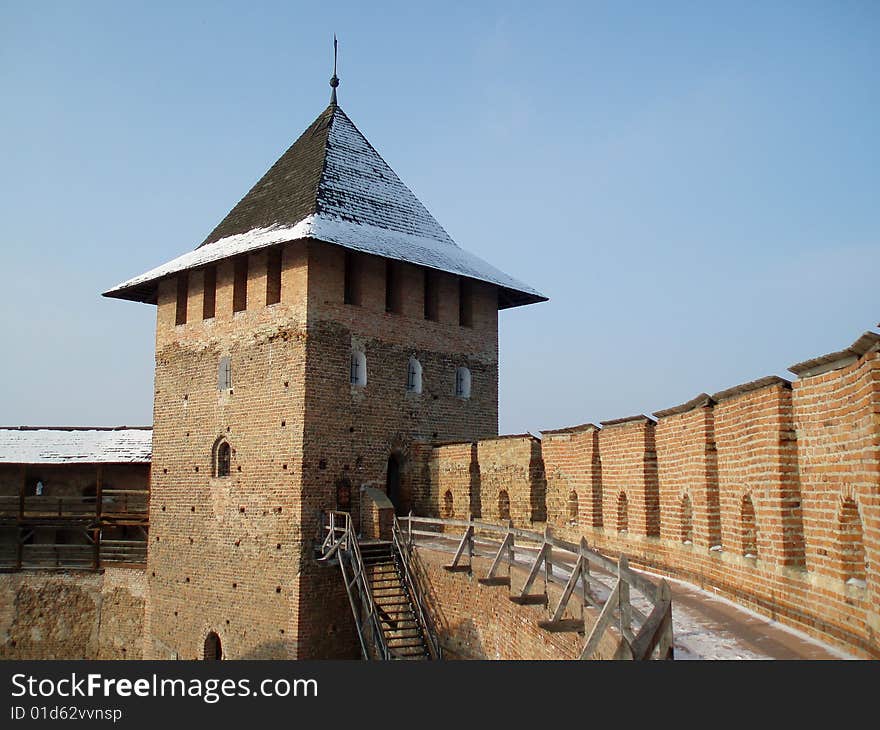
343	495
392	482
213	650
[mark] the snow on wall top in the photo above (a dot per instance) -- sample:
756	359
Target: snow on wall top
75	445
359	203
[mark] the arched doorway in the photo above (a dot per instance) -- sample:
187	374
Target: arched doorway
213	650
392	481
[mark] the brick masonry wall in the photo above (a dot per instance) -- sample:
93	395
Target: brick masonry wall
572	464
454	482
757	458
808	457
234	555
688	476
629	467
475	621
72	615
837	422
225	554
351	432
511	466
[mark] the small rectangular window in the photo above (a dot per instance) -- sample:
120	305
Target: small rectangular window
209	298
465	303
431	295
239	285
352	284
182	297
224	374
273	277
392	287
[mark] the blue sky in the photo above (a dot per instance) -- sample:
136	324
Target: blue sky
694	185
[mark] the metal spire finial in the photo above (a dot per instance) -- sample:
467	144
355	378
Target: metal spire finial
334	80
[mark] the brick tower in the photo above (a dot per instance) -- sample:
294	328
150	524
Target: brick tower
326	325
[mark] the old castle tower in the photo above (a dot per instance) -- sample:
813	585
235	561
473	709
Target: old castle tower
323	328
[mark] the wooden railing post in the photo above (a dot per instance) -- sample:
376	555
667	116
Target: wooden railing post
19	549
511	551
665	645
585	574
99	490
471	541
624	599
21	486
548	562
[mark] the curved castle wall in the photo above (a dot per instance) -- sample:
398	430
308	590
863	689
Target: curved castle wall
768	493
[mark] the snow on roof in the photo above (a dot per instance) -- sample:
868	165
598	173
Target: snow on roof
75	445
332	186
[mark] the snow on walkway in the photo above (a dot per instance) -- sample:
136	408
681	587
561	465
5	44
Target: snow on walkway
707	626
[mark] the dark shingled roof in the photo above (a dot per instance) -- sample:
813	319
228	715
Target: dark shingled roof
288	192
331	185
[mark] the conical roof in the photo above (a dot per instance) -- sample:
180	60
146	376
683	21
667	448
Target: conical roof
331	185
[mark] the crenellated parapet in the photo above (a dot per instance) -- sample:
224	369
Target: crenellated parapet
768	492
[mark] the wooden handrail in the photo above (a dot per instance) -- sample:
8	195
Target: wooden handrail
654	632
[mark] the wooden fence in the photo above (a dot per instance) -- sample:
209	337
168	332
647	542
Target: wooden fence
643	627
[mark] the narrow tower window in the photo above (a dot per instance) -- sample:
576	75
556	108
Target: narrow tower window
463	383
224	374
431	295
573	508
414	376
273	276
209	297
392	287
352	283
749	528
182	297
687	520
448	505
239	285
852	546
222	459
465	303
358	374
503	505
622	512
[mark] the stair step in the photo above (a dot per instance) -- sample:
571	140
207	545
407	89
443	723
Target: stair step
419	650
401	624
410	652
400	634
407	645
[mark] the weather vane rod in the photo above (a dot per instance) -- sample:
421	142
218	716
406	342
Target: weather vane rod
334	80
